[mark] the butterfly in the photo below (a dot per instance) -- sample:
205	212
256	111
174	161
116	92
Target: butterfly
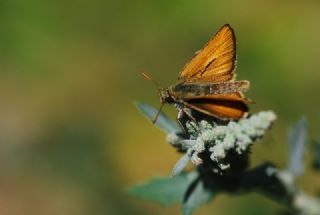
207	83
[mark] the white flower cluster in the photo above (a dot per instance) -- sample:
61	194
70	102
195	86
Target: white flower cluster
220	139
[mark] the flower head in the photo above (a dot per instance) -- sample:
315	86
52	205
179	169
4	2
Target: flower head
220	141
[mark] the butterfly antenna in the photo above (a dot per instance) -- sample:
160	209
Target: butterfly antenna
150	79
157	115
155	118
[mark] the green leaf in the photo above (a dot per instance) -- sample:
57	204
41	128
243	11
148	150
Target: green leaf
197	195
165	191
163	122
297	142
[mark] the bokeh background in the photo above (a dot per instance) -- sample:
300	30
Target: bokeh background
71	141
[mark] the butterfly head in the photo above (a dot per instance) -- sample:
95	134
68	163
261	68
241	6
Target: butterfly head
165	96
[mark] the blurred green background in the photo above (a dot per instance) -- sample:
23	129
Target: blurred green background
71	141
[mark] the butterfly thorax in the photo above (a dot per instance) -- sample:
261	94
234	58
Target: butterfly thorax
183	90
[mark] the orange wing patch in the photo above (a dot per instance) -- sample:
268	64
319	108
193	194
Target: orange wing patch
215	62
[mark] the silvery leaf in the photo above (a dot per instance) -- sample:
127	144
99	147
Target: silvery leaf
163	122
180	165
297	141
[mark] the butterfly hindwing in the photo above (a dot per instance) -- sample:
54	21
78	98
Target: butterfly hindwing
231	106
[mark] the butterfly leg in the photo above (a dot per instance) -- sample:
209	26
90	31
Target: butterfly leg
183	116
186	111
180	117
184	107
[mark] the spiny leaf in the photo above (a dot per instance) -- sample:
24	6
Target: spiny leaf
163	122
165	191
297	141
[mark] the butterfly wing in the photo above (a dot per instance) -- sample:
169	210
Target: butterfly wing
230	106
216	62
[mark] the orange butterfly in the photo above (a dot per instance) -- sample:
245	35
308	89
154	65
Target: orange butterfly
207	83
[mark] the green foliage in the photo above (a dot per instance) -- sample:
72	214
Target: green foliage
187	189
198	196
316	155
165	191
220	151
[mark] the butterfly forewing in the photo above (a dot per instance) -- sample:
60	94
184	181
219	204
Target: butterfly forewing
215	62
